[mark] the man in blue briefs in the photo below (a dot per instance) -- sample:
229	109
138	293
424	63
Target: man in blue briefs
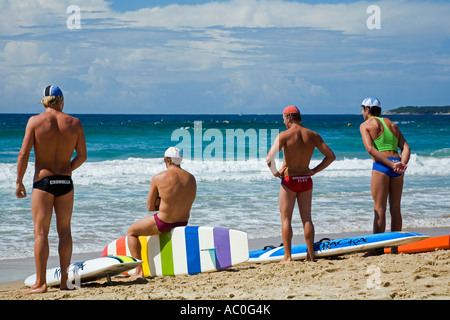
382	139
298	144
54	136
172	193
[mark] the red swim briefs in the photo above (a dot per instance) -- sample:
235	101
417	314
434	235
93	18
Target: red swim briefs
164	226
298	183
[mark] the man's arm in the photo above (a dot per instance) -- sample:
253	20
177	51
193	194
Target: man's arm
153	194
80	149
400	167
406	150
326	151
370	147
274	150
23	157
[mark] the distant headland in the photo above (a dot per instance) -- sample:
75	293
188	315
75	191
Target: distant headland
419	110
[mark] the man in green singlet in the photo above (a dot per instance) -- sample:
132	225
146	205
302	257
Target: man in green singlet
382	139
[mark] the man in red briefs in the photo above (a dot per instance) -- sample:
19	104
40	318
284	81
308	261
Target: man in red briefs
172	193
298	144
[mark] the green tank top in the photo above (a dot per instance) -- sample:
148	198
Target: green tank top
387	140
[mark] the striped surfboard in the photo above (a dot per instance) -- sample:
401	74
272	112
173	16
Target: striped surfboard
186	250
88	270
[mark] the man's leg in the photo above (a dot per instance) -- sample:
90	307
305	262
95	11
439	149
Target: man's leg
144	227
395	197
286	203
380	191
304	200
63	212
41	209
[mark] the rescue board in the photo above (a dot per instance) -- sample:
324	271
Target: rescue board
186	250
89	270
430	244
339	246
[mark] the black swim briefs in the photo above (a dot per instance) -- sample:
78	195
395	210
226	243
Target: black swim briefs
56	185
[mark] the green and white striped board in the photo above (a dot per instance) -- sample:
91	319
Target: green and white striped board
186	250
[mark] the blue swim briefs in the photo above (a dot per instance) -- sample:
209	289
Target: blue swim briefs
381	167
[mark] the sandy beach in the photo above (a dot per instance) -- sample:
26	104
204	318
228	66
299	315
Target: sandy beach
420	276
404	276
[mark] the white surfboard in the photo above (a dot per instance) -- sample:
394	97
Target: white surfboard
339	246
186	250
89	270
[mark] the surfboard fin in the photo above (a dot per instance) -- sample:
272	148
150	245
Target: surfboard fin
212	255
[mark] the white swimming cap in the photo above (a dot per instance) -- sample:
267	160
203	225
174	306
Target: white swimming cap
175	154
371	102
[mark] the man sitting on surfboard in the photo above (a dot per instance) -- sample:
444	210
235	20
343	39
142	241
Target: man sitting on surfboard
298	145
172	192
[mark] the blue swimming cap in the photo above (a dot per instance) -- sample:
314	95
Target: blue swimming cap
371	102
52	91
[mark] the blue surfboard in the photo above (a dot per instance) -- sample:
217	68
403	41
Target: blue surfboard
339	246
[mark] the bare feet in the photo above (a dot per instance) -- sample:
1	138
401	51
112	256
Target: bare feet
37	289
374	252
286	260
139	273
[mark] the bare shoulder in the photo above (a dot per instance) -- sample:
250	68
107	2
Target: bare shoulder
191	176
388	122
315	136
74	121
283	134
310	133
36	120
371	122
391	125
159	176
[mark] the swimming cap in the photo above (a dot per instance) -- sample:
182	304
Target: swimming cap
371	102
52	91
175	154
291	109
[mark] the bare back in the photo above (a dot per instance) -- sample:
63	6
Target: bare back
298	145
177	189
55	136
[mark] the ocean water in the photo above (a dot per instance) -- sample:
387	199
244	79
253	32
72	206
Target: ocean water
226	154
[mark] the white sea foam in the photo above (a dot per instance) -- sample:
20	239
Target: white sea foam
243	195
137	171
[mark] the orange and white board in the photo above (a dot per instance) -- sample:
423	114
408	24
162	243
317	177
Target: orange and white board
430	244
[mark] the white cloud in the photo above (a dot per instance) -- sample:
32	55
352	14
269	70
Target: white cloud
240	52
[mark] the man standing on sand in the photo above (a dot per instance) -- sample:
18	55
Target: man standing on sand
54	136
298	145
382	139
172	193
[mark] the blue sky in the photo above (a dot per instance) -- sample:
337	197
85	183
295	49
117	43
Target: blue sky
224	56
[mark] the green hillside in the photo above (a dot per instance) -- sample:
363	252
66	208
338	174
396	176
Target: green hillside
419	110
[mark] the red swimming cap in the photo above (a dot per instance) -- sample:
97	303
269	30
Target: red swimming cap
291	109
